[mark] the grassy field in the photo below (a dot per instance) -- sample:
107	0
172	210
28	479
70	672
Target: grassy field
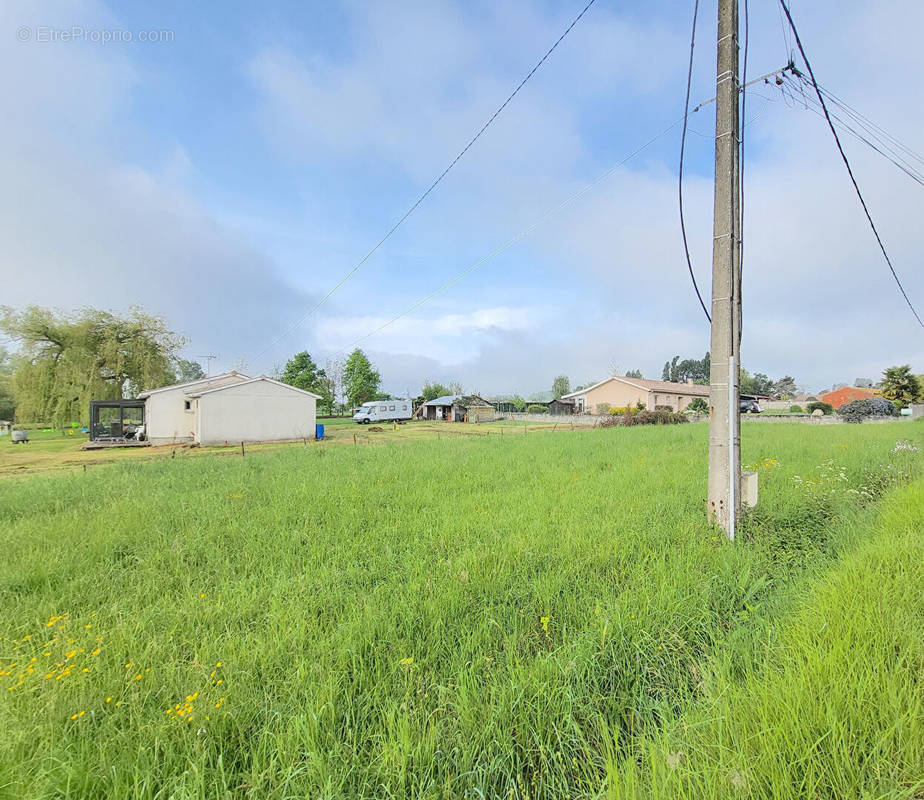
523	616
53	450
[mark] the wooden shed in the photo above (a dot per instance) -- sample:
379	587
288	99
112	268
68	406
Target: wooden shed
458	408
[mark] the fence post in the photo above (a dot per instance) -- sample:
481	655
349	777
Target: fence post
242	450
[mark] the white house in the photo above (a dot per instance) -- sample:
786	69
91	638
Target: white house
229	408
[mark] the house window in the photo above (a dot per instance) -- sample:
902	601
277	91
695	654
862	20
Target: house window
187	405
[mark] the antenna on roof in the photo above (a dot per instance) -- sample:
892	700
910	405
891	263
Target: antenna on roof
208	364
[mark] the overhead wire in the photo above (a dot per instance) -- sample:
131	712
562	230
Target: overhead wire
840	149
533	226
514	239
870	140
870	124
683	142
429	189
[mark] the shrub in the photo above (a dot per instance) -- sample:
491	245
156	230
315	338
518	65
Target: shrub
859	410
796	410
825	408
535	408
663	408
698	405
647	418
603	408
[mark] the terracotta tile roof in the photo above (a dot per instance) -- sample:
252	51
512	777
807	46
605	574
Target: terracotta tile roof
845	394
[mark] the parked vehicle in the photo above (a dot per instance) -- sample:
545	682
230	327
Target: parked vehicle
383	411
750	407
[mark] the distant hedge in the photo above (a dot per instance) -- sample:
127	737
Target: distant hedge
647	418
859	410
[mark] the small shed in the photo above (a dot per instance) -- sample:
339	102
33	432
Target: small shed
560	408
458	408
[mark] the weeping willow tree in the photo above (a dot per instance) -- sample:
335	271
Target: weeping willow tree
67	360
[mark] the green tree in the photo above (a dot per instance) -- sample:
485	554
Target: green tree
360	380
693	369
745	381
431	391
188	371
762	384
7	400
332	387
67	360
785	387
699	405
560	387
901	386
635	373
301	372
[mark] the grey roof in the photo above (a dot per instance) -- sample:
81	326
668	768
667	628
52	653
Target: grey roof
452	399
445	400
232	374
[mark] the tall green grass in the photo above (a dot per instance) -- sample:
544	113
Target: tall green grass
502	616
837	710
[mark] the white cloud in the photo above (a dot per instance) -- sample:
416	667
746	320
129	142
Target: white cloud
448	338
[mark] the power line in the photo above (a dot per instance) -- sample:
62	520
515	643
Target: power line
513	240
883	148
510	242
867	122
429	189
840	148
889	147
683	142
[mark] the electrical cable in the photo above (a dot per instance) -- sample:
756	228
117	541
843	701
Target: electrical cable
840	148
868	123
429	189
513	240
882	149
510	242
683	142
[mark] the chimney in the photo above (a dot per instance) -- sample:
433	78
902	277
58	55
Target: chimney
690	381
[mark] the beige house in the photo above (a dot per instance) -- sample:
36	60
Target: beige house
621	392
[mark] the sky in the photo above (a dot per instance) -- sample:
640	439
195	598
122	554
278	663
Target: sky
225	165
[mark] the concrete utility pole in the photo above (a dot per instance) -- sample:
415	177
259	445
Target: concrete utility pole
724	414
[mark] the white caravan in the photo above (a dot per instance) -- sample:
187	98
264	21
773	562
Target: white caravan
383	411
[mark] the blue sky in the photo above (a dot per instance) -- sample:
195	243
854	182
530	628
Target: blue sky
229	176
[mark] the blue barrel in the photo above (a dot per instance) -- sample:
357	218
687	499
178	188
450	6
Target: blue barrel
318	431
